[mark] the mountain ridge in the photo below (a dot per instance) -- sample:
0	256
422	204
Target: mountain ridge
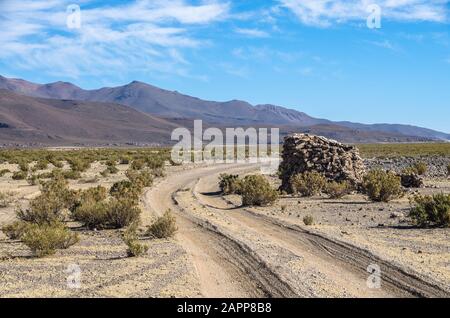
167	104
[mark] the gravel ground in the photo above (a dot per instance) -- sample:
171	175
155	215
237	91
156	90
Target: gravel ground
437	166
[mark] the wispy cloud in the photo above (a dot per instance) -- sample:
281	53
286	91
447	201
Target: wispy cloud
254	33
325	13
385	44
143	35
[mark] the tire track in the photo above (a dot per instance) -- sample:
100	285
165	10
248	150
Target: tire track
225	267
399	282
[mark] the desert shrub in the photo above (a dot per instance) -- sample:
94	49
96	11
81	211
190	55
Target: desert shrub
110	163
45	239
92	214
23	166
137	164
20	175
431	210
142	178
382	186
41	165
56	163
163	227
337	190
15	230
112	169
155	163
98	193
33	179
78	165
308	220
71	174
127	190
308	184
229	184
122	213
420	167
256	190
158	172
6	198
4	171
131	239
47	207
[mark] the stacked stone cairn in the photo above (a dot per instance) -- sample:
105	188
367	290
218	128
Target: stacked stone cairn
334	160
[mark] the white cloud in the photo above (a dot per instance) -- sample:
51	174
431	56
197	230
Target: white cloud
145	35
386	44
254	33
325	13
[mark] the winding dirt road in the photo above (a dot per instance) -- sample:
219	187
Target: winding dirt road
237	253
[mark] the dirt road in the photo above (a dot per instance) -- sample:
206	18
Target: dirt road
237	253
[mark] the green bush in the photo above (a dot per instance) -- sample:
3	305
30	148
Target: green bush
23	166
15	230
230	184
420	167
137	164
126	189
45	239
337	190
308	220
79	165
308	184
382	186
4	171
163	227
33	180
6	198
92	214
71	174
47	207
112	169
131	239
431	210
256	190
41	164
20	175
142	178
122	213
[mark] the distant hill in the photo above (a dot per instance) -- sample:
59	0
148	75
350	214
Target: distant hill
33	120
176	108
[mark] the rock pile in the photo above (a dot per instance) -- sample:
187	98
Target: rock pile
336	161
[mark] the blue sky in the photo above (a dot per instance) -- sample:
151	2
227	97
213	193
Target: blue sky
316	56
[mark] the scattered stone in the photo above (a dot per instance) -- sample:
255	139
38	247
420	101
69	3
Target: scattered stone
395	215
412	180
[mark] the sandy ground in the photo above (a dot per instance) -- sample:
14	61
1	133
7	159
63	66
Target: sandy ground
224	250
106	271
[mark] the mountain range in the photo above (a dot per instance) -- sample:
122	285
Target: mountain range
139	113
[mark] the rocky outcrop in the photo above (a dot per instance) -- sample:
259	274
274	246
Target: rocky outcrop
412	180
336	161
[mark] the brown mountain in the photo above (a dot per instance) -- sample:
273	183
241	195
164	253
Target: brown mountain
31	120
179	110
